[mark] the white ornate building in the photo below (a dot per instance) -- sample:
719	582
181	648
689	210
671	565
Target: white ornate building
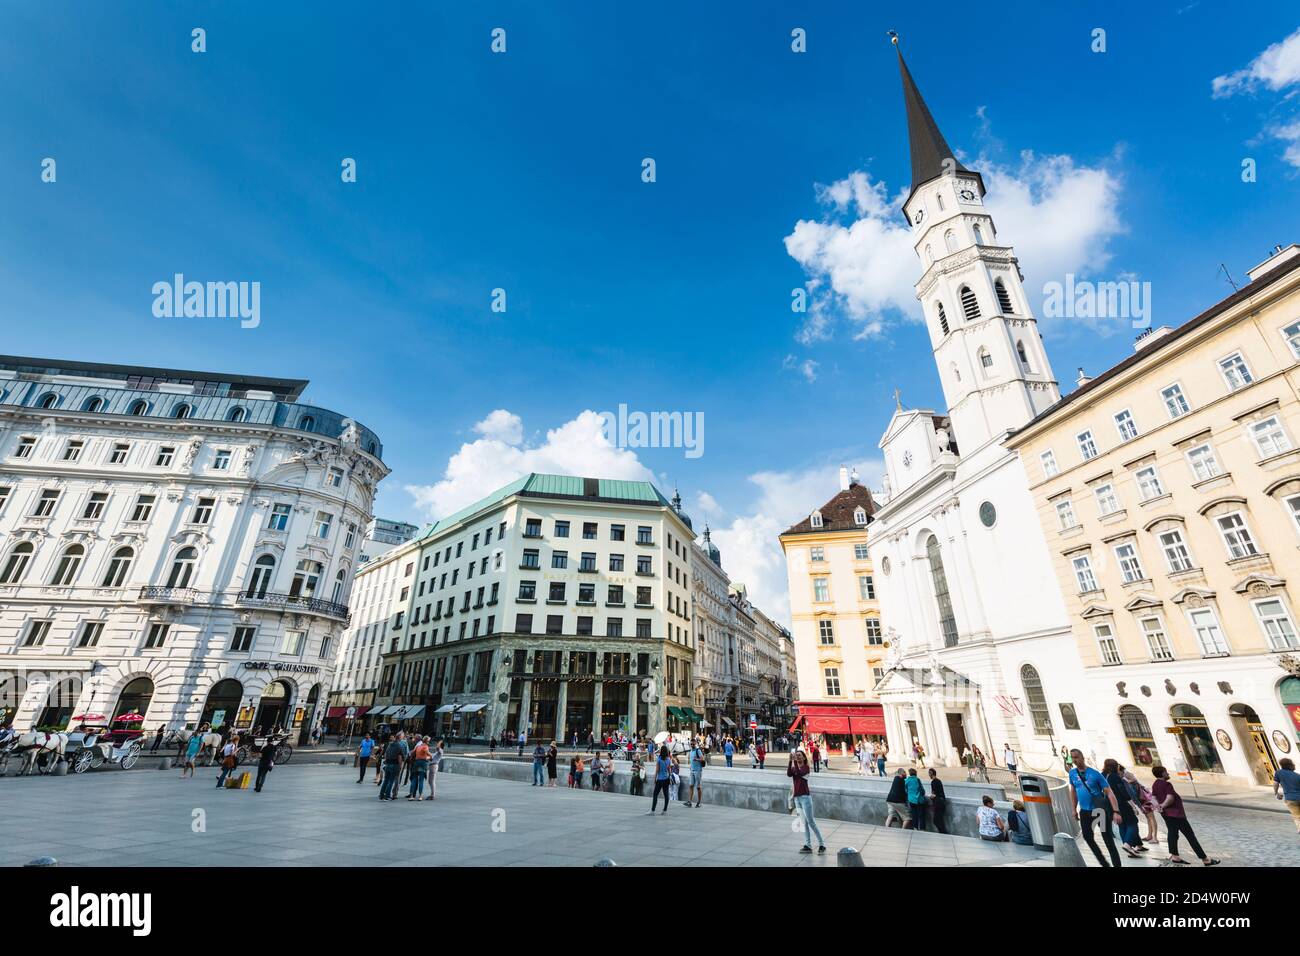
980	646
177	543
717	658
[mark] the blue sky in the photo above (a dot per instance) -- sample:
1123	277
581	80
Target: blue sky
522	171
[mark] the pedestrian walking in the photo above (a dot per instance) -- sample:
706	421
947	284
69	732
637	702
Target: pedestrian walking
728	750
1009	757
798	770
762	754
192	748
816	758
575	771
1286	787
916	799
552	753
265	764
492	746
1146	803
1171	808
938	802
663	771
419	769
1092	796
523	739
157	739
228	761
880	763
991	825
1129	839
539	766
364	750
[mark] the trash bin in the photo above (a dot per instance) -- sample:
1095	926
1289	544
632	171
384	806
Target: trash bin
1037	798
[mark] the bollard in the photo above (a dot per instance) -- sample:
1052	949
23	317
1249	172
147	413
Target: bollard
43	861
60	769
848	856
1065	852
343	761
165	763
605	861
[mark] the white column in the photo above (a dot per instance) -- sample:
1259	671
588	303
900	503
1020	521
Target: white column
945	738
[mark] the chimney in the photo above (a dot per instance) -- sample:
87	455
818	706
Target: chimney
1148	336
1082	380
1276	256
844	478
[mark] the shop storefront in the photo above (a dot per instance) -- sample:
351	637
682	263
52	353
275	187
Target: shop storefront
840	724
1199	750
1141	742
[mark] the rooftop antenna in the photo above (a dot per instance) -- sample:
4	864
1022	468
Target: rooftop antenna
1224	269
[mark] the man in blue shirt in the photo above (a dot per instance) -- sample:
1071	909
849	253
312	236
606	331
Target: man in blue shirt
1091	795
1286	785
395	754
363	755
730	750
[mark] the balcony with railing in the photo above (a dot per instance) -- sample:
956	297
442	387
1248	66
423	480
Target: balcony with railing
294	603
164	595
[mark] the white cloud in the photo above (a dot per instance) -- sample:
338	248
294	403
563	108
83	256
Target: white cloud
1276	68
503	426
578	447
806	367
1059	215
751	554
1288	133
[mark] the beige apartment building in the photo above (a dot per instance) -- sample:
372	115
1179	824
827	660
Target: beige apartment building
835	618
1169	491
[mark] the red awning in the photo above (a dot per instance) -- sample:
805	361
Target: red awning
343	712
844	719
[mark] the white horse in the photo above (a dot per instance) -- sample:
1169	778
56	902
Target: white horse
211	741
36	744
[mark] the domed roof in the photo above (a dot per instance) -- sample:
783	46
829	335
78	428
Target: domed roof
712	549
677	507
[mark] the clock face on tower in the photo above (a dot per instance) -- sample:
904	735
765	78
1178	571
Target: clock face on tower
920	215
969	195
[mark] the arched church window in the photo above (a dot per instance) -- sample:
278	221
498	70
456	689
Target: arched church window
969	304
956	372
1037	700
950	240
939	199
986	361
929	254
979	236
1024	357
942	598
943	320
1004	299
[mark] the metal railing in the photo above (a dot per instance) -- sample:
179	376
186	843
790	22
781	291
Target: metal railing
292	602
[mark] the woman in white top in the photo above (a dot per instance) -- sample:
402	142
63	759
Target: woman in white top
992	827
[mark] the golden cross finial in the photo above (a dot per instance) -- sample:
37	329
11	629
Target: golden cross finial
898	399
893	38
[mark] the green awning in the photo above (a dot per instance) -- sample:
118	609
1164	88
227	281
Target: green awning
677	712
692	714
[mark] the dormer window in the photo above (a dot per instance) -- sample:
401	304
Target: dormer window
816	519
860	517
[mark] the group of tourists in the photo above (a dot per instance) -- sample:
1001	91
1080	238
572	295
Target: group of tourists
410	760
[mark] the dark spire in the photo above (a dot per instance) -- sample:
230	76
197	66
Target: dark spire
929	148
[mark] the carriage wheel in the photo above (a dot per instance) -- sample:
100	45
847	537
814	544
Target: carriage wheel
131	756
83	761
241	754
283	753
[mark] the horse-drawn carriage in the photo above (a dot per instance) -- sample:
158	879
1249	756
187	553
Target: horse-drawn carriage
95	743
252	745
39	751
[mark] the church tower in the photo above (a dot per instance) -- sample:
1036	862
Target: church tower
987	347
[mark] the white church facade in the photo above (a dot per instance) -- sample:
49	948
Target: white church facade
980	648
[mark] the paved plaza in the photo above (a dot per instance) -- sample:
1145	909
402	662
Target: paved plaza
319	816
